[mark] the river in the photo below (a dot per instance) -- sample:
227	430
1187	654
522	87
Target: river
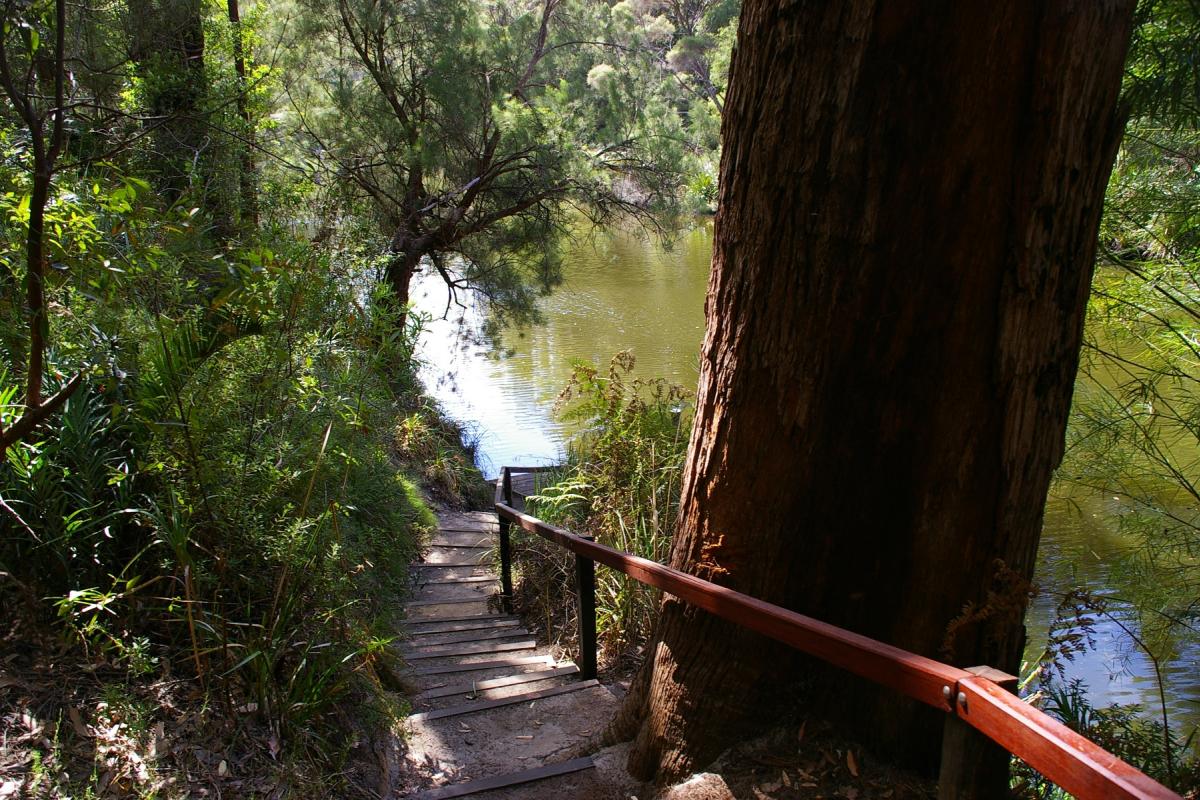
623	291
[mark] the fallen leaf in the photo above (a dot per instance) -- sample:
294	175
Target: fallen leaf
787	781
77	722
31	723
159	746
851	764
525	737
851	793
223	768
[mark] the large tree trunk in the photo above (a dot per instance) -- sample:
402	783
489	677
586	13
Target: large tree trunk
908	213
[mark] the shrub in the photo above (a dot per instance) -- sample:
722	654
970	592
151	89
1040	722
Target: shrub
621	485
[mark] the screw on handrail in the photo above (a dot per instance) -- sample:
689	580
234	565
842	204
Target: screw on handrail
972	764
585	588
506	589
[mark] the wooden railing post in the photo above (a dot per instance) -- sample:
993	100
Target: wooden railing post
585	589
506	589
973	766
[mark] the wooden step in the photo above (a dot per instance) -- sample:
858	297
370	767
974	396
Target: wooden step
474	666
468	527
460	627
446	592
474	619
497	683
448	556
468	538
453	573
457	637
452	581
443	566
484	705
468	649
506	780
418	603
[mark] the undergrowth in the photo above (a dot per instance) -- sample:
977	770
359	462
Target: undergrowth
620	485
227	502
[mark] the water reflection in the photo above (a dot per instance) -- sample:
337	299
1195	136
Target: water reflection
621	291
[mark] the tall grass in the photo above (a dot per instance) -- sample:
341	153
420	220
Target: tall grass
620	485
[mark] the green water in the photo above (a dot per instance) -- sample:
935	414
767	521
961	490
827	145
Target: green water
623	291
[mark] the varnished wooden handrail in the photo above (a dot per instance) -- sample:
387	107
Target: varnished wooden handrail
1063	756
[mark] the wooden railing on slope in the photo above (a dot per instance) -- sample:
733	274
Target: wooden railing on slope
1069	760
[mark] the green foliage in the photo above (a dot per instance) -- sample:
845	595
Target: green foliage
431	446
1161	73
468	133
1134	432
621	486
1123	731
242	469
1135	425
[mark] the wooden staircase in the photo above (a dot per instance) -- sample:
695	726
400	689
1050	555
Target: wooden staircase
492	708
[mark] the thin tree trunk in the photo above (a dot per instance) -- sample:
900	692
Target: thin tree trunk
399	274
35	286
908	213
248	180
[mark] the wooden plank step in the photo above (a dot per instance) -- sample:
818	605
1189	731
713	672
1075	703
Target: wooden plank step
469	544
468	649
418	603
452	581
511	700
446	669
470	619
455	637
459	627
471	537
443	566
506	780
497	683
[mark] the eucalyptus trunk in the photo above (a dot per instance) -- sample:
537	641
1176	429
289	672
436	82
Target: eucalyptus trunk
907	223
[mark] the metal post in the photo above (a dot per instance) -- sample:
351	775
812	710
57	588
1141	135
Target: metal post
585	587
506	590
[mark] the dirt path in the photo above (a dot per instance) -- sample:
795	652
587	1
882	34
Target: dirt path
495	715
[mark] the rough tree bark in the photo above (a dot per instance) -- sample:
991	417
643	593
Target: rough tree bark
908	213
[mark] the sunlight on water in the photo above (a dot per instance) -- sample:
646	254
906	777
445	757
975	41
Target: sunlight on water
621	291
